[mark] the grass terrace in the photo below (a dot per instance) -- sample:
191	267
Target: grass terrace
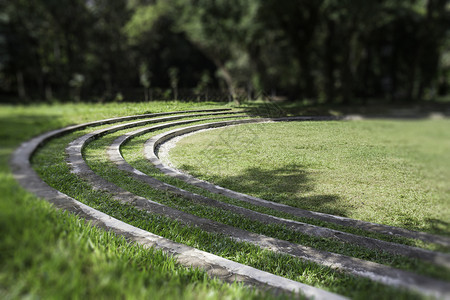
46	253
384	171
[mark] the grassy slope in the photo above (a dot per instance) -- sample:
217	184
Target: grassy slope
61	242
391	172
95	155
45	253
49	161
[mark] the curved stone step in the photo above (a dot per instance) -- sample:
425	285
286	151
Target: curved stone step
41	139
215	266
150	153
115	156
374	271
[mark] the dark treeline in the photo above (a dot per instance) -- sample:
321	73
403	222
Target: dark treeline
332	51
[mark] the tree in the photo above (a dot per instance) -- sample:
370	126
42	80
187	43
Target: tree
220	29
323	50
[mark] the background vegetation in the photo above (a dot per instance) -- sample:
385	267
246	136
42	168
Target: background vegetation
327	50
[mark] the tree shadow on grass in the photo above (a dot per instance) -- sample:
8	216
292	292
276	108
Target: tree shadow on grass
288	184
437	226
284	185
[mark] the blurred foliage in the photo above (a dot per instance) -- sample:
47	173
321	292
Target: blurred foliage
327	51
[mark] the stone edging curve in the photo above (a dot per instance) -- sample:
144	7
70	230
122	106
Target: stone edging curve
215	266
153	143
115	156
374	271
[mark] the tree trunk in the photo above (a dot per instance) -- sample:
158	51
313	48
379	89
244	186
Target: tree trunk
146	97
21	85
48	92
230	84
349	66
347	80
225	73
329	64
307	81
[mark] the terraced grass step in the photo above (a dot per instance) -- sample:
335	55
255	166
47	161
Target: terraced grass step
421	283
226	270
114	153
150	153
374	271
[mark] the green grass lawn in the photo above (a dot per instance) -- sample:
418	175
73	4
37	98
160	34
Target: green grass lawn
384	171
45	253
42	249
50	163
95	155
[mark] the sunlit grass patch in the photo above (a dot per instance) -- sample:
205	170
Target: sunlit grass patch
390	172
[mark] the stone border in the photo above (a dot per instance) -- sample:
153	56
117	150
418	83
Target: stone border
152	145
358	267
440	259
215	266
